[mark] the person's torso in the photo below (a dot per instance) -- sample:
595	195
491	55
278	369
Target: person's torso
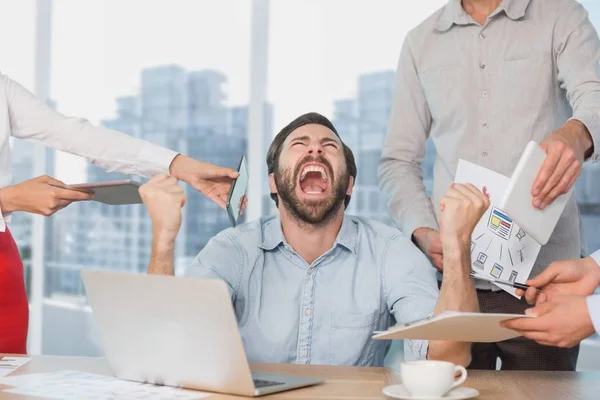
324	313
491	89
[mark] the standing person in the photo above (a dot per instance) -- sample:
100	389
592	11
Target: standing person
482	78
26	117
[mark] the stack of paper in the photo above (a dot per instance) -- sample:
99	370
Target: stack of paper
81	385
499	247
9	364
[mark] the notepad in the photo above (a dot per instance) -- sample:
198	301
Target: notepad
455	326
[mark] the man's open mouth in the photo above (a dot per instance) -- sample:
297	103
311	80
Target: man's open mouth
314	178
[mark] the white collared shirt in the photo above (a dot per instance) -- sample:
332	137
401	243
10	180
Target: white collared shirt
24	116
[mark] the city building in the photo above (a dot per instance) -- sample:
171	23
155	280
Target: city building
362	124
181	110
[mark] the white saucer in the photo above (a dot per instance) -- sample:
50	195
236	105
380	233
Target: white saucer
459	393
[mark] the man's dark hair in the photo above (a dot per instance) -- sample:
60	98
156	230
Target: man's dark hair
306	119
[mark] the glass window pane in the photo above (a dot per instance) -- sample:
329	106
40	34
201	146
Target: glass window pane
344	68
171	72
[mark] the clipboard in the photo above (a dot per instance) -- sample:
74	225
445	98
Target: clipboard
455	326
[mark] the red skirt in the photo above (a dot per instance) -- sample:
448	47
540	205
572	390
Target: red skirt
14	307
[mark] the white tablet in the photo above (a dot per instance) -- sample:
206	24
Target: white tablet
113	192
455	326
517	202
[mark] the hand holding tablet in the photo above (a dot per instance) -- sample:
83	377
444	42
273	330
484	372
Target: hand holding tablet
518	200
127	192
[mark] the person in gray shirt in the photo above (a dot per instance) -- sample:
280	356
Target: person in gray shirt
311	284
482	79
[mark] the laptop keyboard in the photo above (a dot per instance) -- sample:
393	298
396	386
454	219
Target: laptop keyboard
260	383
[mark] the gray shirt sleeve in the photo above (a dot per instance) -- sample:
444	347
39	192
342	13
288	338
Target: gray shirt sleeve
221	258
400	172
577	50
410	288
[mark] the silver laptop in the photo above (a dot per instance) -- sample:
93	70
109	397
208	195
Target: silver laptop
176	331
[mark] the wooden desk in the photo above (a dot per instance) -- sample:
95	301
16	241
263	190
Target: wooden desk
366	383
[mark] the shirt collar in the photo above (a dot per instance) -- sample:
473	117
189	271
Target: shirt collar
272	234
454	14
515	9
347	236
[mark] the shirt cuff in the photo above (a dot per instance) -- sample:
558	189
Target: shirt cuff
4	220
421	218
155	159
593	303
596	257
590	120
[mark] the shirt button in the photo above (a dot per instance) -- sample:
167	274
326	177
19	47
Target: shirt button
484	153
482	65
484	93
304	353
485	125
307	312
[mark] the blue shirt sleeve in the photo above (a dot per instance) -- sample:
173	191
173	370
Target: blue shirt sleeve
410	287
221	258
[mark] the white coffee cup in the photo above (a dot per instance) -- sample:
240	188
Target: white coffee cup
431	378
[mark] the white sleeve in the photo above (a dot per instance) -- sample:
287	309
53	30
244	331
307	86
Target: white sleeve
593	303
596	257
31	118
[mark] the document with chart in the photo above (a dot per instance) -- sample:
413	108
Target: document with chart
499	247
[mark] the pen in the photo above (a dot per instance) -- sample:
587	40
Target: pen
503	282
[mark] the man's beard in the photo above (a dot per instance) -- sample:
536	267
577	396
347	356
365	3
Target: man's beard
313	212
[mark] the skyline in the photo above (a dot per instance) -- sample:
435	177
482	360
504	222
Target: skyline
91	69
315	54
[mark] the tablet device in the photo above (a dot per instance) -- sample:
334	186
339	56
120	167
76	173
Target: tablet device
113	192
237	192
455	326
517	201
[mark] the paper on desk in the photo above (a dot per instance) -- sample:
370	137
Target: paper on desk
9	364
499	247
72	385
